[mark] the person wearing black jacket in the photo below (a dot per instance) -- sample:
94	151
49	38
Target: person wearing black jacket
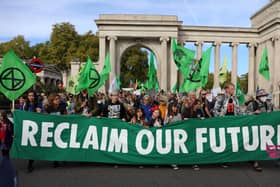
31	106
114	108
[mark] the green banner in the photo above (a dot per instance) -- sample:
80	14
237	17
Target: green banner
193	141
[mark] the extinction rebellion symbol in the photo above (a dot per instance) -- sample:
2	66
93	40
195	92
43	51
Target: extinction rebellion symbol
94	77
12	79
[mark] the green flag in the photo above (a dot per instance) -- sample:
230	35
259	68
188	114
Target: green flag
205	62
84	76
197	72
239	94
15	76
72	83
103	75
106	69
183	57
152	82
264	66
223	71
118	82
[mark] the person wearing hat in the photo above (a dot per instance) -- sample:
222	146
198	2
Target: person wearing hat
269	104
258	105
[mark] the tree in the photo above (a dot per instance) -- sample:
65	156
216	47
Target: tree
41	51
63	44
19	45
88	46
134	66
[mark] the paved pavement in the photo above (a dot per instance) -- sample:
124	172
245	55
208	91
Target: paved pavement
92	174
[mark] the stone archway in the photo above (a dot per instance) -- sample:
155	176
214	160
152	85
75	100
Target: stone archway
126	45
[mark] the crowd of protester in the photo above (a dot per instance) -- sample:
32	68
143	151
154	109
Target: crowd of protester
147	109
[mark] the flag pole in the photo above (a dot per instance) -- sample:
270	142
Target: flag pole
13	105
177	78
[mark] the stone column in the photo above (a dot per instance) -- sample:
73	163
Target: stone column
164	77
102	53
112	49
173	69
274	71
198	45
234	63
252	68
217	64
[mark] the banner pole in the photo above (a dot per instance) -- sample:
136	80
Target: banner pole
13	105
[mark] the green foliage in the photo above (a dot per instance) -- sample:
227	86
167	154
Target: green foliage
63	44
134	65
19	46
41	50
88	46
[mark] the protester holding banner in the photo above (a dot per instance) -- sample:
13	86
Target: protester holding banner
261	100
55	107
227	104
31	106
20	103
139	118
191	107
32	103
173	114
269	103
114	108
6	133
156	120
256	107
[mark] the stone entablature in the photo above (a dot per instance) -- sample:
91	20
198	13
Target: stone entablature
221	34
267	16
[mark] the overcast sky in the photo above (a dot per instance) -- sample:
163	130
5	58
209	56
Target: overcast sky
34	18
